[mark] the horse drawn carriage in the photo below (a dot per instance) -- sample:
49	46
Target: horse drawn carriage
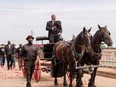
82	49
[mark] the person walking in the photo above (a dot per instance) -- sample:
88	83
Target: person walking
18	55
30	54
2	49
2	56
9	51
14	57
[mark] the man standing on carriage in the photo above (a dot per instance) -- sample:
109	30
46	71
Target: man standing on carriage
30	54
54	29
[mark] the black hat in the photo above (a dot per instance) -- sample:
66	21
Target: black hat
29	36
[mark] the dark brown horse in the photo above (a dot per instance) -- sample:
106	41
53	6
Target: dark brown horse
93	58
80	46
66	54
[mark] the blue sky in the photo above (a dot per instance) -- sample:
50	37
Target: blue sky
19	17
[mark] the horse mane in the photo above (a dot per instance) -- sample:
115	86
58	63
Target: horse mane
96	45
94	37
78	38
78	43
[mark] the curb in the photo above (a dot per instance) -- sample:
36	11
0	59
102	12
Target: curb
107	73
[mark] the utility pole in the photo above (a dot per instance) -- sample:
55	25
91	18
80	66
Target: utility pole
32	32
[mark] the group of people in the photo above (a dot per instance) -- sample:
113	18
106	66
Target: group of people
29	52
6	53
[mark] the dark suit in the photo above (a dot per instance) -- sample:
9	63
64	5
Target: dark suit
9	52
53	33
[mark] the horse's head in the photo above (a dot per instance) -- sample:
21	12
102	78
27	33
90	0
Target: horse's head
104	35
85	39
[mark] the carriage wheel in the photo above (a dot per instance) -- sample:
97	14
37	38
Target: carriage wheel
24	72
23	69
68	75
37	73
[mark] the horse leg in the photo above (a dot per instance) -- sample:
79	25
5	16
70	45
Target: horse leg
78	79
72	75
55	75
55	81
54	71
92	80
65	82
64	70
70	85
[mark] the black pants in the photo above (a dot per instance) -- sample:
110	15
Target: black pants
54	38
9	61
29	68
3	61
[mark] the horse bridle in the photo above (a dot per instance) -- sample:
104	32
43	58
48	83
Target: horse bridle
83	41
75	54
101	37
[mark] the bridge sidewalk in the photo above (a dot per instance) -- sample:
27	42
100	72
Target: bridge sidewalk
107	72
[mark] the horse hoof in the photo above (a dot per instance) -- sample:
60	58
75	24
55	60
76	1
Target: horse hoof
94	85
79	85
65	85
70	85
91	85
56	85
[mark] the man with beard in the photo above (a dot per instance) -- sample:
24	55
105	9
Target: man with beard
30	54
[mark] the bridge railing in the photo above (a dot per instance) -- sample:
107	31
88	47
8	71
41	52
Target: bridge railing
108	58
108	63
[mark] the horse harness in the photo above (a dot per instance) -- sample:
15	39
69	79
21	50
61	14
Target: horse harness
64	57
101	38
76	55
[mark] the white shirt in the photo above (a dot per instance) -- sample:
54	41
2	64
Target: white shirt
9	45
